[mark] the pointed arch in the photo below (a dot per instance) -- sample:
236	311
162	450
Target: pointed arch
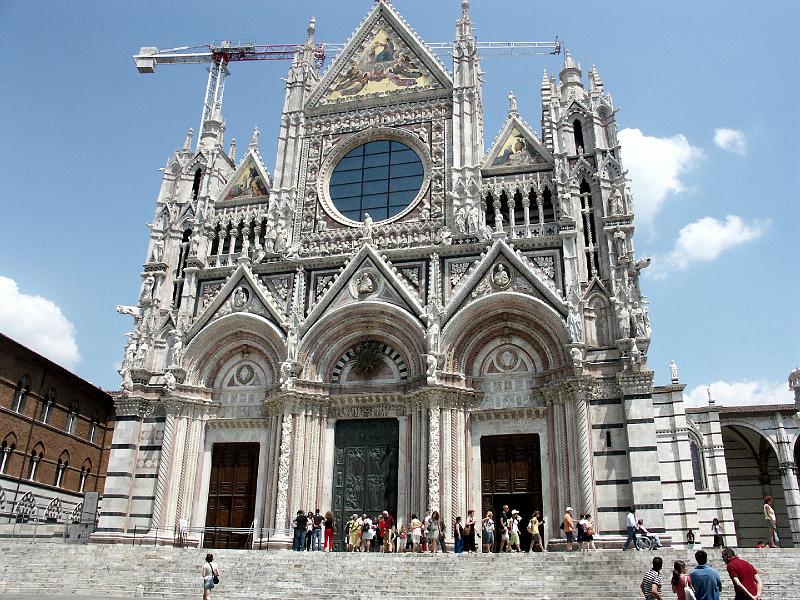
599	320
7	448
212	347
501	315
332	336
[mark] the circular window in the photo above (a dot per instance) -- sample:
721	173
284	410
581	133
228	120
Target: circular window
380	178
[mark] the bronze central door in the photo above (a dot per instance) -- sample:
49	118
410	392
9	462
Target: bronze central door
231	495
511	473
365	471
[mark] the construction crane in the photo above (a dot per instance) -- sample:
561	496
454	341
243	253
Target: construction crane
222	53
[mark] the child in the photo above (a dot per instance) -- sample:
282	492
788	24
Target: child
402	545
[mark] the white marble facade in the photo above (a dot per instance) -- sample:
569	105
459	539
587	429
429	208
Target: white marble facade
502	297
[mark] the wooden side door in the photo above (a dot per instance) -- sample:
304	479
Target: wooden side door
231	494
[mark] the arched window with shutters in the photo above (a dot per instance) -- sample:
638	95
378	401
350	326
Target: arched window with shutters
21	394
698	464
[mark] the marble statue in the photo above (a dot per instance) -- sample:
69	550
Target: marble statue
365	285
577	357
575	324
500	276
147	289
141	355
366	227
617	207
473	219
169	381
239	298
512	103
673	371
280	241
433	364
194	244
177	352
158	250
460	221
623	318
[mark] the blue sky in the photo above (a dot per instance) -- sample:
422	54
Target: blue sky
85	135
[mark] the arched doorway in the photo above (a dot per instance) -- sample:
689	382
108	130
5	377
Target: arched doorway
753	473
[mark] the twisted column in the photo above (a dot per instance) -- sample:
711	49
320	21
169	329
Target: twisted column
283	472
433	459
584	454
163	470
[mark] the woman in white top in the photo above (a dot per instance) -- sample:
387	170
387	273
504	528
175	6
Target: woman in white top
367	533
210	571
488	532
769	515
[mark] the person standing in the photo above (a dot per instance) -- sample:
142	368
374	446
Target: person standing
309	529
533	529
769	516
488	532
630	523
568	524
366	533
316	531
210	573
651	582
745	578
353	530
716	531
680	580
416	532
433	531
705	580
329	528
469	532
581	527
458	536
514	530
690	539
300	524
589	536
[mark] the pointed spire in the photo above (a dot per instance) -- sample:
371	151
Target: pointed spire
464	24
308	50
545	81
232	150
595	83
571	71
187	143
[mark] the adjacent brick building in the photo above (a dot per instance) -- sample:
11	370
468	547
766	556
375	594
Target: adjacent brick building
55	435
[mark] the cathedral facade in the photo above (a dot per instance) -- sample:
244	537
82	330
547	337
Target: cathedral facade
397	319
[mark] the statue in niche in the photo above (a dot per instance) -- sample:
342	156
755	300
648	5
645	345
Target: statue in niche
623	318
460	221
269	240
127	381
141	355
245	245
619	243
574	318
292	337
500	277
147	289
577	357
366	227
473	219
566	206
364	284
616	204
158	250
445	237
673	371
280	241
130	355
433	364
498	217
194	243
239	298
640	320
177	352
169	381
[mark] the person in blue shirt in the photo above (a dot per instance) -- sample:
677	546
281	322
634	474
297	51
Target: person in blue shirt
705	580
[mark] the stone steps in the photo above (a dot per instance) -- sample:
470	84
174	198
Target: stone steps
173	573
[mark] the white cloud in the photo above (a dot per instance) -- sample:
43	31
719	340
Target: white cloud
731	140
705	239
740	393
37	323
655	166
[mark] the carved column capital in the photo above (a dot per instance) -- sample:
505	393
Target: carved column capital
634	383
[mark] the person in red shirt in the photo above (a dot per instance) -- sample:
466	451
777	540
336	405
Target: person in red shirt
744	576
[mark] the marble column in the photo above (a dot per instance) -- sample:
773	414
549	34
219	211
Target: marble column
788	471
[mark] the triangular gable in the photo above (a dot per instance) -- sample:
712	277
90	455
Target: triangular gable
503	269
250	181
517	150
576	106
384	56
241	293
367	276
595	287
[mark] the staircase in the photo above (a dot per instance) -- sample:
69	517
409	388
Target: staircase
174	573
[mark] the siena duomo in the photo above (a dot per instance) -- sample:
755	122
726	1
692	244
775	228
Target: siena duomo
402	315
